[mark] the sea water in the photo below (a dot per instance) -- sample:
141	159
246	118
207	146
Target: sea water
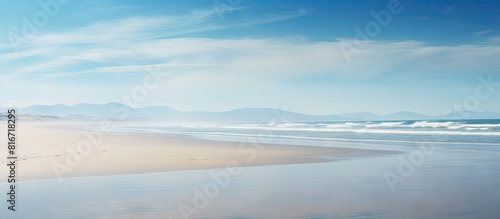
466	134
458	177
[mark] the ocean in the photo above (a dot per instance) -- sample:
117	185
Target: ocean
452	134
460	179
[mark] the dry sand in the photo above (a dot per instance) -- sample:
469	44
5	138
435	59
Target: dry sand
44	147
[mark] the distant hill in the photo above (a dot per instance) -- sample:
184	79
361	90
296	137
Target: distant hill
406	115
365	116
118	111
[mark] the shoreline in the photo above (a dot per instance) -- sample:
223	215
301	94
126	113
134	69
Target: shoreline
45	147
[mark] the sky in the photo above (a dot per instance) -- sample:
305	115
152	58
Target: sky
315	57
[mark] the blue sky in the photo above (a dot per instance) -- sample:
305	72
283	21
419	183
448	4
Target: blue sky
226	54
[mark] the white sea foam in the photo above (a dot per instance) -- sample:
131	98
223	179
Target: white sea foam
385	124
340	128
415	132
267	136
427	124
451	132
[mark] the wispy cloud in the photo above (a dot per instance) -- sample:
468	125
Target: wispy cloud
17	55
112	50
482	33
144	28
104	41
266	58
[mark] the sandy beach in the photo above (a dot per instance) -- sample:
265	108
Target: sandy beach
68	149
138	175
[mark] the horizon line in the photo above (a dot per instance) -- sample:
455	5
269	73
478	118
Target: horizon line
270	108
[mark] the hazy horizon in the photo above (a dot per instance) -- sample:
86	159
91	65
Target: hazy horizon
284	109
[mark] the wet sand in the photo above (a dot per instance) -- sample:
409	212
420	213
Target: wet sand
71	149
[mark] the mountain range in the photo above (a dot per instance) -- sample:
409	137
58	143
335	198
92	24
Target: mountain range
118	111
